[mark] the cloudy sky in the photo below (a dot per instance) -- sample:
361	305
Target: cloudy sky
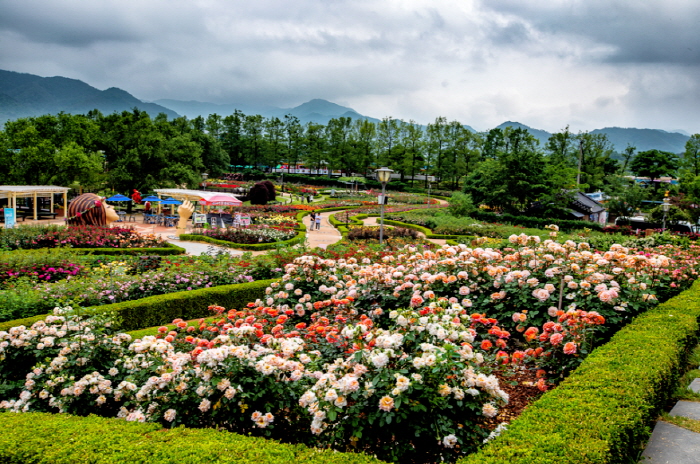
548	64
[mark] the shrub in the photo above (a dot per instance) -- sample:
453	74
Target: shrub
461	204
258	194
42	438
271	194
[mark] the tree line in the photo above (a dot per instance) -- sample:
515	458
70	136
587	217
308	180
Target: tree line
505	168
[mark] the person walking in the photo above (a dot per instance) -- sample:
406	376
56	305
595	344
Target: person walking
318	221
312	220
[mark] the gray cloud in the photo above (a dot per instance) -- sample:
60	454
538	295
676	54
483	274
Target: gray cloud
547	64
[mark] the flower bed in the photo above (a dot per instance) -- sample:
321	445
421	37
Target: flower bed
341	350
81	237
118	281
250	234
604	412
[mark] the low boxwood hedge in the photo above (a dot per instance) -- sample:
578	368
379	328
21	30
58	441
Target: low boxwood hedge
42	438
162	309
299	238
168	250
604	411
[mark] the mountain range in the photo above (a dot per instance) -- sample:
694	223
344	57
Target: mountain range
25	95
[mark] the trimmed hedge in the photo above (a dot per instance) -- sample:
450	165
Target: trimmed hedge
42	438
565	225
168	250
300	237
162	309
604	411
422	229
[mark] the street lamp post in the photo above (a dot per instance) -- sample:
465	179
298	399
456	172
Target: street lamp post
666	206
205	176
383	176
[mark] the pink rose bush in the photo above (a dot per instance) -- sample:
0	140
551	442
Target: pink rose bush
339	383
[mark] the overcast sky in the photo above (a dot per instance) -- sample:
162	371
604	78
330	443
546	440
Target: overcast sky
547	64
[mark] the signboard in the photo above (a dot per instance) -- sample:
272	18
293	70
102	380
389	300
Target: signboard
10	218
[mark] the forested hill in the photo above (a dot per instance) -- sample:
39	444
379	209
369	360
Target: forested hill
23	95
317	110
644	139
620	137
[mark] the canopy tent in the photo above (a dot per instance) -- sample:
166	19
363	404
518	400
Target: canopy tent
221	200
192	195
195	196
13	192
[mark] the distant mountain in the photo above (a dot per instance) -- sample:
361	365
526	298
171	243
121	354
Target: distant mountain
642	139
540	135
318	111
25	95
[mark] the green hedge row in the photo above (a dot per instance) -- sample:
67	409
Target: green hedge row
41	438
168	250
565	225
162	309
299	238
604	411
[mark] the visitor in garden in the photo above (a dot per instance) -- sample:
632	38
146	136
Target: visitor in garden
318	221
312	220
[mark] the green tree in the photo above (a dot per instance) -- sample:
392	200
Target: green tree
691	155
314	146
363	135
338	143
654	164
232	137
294	136
435	148
388	132
77	168
595	162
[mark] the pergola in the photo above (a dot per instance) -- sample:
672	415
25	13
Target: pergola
12	192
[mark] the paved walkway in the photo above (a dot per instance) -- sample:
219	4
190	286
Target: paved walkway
670	444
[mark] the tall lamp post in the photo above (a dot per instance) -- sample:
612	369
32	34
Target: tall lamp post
666	206
383	176
205	176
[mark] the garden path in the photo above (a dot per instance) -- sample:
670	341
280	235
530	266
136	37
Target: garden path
672	444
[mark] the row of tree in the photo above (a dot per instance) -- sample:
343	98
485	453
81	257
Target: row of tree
505	168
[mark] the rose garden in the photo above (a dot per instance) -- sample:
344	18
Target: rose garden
408	351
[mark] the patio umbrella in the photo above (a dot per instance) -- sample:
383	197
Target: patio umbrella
151	198
118	197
